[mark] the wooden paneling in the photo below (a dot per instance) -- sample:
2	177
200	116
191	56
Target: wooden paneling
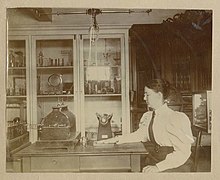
184	58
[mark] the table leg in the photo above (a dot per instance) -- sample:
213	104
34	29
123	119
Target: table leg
135	163
26	164
17	165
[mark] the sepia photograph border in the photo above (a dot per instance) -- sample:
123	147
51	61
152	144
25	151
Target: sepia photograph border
169	4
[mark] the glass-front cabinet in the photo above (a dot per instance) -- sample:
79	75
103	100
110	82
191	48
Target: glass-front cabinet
17	94
48	70
54	74
103	80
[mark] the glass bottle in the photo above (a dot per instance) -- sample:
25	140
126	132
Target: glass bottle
11	59
41	58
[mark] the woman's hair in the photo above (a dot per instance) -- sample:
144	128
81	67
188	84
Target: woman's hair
160	85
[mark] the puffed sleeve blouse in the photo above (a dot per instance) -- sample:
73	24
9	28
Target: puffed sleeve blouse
171	128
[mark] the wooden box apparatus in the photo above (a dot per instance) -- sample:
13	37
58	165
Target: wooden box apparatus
58	125
58	128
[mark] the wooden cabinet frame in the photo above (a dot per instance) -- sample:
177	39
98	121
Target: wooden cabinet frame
76	34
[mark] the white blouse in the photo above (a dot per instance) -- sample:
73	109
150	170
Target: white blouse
170	128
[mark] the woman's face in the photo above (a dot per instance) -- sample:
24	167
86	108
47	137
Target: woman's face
152	98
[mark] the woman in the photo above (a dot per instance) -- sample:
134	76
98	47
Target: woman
169	131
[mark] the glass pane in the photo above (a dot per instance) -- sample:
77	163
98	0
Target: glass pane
16	103
102	66
102	84
16	84
55	75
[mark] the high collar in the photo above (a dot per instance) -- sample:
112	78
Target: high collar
162	109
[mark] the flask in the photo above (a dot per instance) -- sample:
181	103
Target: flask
11	59
41	58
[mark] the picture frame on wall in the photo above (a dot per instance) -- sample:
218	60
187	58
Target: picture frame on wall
202	110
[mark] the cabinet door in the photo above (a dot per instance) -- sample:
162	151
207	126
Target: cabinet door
103	83
17	103
54	62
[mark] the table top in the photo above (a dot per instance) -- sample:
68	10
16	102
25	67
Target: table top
114	149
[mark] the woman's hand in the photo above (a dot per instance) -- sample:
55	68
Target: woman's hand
150	169
116	140
108	141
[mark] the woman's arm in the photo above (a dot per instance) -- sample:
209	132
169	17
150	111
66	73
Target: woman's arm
180	135
137	136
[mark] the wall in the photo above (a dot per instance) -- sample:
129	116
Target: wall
19	17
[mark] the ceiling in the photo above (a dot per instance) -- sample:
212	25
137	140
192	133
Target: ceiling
28	16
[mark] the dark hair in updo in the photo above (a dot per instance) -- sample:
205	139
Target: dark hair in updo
160	85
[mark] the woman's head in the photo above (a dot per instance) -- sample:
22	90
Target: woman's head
156	91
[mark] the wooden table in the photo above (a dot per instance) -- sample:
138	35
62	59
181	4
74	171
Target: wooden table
115	158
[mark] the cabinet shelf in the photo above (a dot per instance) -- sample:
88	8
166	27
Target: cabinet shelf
14	107
54	96
54	67
16	68
114	66
101	95
12	97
